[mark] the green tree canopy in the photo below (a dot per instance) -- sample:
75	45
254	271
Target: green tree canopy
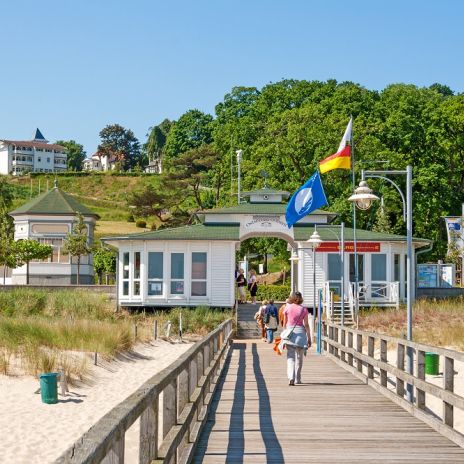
75	154
120	143
28	250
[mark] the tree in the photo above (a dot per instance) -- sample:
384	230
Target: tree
104	261
154	147
121	144
6	194
192	130
76	243
75	154
190	170
264	246
8	258
27	250
382	221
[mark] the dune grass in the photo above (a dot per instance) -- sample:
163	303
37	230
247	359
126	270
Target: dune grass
435	322
43	330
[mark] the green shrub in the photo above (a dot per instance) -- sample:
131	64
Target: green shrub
274	292
141	223
130	218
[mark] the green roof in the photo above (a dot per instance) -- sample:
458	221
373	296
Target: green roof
331	234
266	191
232	232
52	202
195	232
257	208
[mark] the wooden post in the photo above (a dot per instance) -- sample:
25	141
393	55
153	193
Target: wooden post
324	331
342	353
95	358
63	383
155	329
331	349
148	448
350	345
420	394
182	391
337	339
400	350
169	412
116	453
370	353
383	358
448	384
359	349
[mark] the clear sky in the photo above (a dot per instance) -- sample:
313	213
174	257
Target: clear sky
72	67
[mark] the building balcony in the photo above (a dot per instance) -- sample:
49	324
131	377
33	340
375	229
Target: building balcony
22	163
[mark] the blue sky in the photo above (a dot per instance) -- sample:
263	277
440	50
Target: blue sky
70	68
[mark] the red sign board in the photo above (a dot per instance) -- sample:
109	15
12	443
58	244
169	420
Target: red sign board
361	247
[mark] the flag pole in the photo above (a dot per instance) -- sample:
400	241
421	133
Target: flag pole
355	251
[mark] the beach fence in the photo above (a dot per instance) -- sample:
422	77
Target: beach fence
172	406
347	347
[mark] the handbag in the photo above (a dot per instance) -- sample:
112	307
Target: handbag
286	333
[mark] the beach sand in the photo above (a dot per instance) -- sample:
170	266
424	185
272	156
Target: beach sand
34	432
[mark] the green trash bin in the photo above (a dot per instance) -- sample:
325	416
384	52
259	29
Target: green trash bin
49	387
431	363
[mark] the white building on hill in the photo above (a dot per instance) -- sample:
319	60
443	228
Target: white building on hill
99	163
19	157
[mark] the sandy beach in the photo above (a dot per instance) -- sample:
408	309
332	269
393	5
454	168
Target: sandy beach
34	432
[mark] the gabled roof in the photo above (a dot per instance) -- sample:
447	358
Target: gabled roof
266	191
232	232
53	202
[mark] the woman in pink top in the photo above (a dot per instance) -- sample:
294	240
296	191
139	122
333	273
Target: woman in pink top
298	339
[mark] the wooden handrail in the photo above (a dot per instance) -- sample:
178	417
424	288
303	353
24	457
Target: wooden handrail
338	344
172	407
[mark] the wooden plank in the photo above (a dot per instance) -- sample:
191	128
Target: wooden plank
420	394
400	351
148	447
448	385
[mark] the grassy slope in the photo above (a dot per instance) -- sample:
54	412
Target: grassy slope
104	194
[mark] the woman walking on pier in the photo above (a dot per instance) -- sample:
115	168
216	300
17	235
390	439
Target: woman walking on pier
296	336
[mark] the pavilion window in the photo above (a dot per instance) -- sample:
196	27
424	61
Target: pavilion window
199	269
378	275
58	255
360	268
136	278
155	273
177	273
125	273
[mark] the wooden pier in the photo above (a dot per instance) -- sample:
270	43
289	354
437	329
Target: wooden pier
333	417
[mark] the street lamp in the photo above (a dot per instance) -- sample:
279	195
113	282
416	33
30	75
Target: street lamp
293	259
363	198
314	241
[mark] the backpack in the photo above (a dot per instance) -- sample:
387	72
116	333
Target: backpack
267	316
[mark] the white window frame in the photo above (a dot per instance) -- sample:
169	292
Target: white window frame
156	279
205	279
171	279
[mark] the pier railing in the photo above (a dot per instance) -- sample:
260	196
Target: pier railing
172	407
347	347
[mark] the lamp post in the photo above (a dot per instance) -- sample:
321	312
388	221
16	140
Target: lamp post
363	198
314	241
293	259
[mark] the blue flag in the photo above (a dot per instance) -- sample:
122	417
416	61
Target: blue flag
305	200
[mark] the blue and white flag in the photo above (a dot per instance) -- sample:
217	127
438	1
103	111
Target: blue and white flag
305	200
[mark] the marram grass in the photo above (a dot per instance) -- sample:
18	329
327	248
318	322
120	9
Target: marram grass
44	330
435	322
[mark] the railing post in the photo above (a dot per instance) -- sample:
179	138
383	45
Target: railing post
400	365
370	353
116	453
331	349
337	338
342	353
148	449
359	349
324	331
350	345
448	384
169	412
383	358
420	394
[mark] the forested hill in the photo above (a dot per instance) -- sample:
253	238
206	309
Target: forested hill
285	129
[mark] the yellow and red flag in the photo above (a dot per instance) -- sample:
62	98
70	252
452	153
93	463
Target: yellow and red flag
341	159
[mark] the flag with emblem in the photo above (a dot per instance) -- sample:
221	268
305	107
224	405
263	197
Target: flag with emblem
305	200
341	159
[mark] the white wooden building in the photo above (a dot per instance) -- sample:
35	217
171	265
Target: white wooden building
48	218
195	265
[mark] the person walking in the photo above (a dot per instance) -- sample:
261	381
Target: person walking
270	320
296	336
253	285
241	284
259	317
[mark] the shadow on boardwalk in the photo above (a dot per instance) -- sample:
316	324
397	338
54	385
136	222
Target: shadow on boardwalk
235	452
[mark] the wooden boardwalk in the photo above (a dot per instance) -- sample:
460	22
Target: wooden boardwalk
331	418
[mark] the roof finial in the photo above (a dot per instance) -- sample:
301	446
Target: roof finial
55	183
